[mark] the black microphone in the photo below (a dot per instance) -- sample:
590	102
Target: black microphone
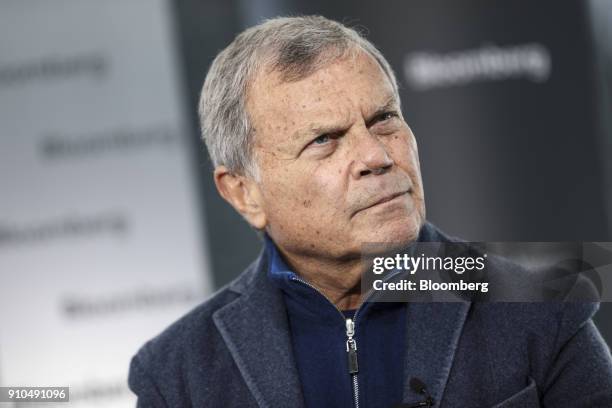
419	387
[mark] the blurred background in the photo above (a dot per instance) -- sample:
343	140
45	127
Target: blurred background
110	225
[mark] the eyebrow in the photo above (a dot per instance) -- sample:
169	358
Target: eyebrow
389	104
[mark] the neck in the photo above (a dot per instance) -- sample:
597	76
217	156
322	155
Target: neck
339	281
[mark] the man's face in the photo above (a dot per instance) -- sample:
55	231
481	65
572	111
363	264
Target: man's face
338	165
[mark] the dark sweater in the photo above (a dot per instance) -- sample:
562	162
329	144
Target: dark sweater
318	335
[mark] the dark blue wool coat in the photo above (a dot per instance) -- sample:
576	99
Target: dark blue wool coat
234	350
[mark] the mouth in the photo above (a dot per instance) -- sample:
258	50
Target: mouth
385	199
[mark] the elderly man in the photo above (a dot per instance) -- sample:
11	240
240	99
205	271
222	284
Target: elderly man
302	120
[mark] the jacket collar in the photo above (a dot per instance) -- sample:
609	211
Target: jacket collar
255	329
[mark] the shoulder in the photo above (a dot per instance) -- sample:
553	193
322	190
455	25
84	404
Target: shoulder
519	313
198	322
182	354
177	338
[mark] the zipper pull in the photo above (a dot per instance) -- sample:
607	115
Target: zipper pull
351	347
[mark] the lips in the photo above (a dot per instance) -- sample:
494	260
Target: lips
384	199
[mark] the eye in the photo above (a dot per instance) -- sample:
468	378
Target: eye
321	139
383	117
322	144
386	116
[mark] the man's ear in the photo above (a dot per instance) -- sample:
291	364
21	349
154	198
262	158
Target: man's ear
243	194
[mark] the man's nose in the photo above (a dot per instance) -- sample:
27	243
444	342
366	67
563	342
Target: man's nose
370	155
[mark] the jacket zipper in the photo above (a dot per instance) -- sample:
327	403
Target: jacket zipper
351	349
351	344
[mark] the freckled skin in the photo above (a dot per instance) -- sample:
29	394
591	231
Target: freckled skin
318	195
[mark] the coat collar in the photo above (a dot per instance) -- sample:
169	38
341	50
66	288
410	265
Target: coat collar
256	331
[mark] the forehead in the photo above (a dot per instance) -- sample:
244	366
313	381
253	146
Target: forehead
336	92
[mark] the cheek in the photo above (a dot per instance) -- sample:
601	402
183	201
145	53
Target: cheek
322	191
402	149
305	192
306	207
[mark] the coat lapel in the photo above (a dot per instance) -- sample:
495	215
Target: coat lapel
256	331
433	332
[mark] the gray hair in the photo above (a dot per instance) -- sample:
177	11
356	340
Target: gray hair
293	46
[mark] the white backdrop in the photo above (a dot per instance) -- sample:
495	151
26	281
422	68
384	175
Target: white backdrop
100	240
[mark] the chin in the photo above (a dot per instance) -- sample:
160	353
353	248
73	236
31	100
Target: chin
394	233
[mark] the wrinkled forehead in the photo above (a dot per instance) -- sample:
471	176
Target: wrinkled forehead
328	96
